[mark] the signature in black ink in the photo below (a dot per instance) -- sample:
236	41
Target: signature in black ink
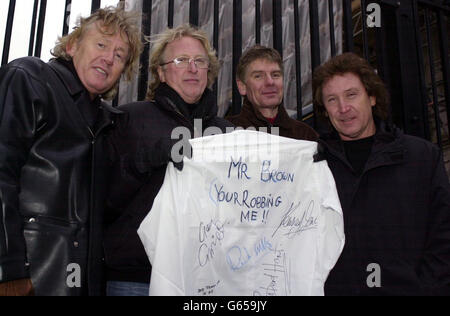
208	290
276	273
296	225
210	235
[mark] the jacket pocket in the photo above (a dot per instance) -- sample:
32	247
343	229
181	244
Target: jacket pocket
50	224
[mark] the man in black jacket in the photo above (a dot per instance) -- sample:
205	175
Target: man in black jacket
393	188
52	176
183	65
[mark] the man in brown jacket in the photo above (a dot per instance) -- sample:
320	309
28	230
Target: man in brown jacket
260	81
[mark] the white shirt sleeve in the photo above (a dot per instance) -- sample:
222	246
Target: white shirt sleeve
332	238
159	233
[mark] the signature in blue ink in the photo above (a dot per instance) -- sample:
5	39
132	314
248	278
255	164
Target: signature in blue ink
275	176
238	257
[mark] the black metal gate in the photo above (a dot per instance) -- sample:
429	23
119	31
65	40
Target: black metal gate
411	53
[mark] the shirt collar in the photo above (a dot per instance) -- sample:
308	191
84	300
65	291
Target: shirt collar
252	113
67	73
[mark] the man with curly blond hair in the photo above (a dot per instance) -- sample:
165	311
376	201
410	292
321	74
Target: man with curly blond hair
52	162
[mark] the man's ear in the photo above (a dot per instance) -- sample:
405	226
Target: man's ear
71	47
241	87
373	100
161	74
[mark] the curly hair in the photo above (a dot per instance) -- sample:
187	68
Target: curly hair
109	21
160	43
351	63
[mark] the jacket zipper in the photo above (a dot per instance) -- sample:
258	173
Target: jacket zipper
91	197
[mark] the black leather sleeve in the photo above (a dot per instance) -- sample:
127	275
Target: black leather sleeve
18	125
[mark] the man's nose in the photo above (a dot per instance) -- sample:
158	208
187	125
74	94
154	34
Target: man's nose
192	66
343	106
269	80
108	57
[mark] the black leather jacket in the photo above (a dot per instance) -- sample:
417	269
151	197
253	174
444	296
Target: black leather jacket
51	179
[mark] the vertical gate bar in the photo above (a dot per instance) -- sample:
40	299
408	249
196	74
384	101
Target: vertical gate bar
258	21
146	31
40	29
237	52
67	17
95	5
171	13
216	39
433	77
277	21
33	28
315	35
216	25
348	26
421	77
315	41
364	30
115	102
382	57
8	31
382	61
332	36
298	65
443	40
193	12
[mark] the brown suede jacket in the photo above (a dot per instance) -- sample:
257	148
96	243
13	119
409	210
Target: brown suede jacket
288	127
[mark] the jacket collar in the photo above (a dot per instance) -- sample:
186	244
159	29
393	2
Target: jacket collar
68	75
170	100
257	119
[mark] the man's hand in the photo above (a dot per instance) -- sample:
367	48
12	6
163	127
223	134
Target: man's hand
22	287
165	150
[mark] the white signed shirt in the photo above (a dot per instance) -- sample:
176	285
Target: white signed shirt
250	215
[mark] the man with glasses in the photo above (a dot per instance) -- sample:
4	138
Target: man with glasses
183	66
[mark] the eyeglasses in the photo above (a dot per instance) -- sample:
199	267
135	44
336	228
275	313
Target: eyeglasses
184	62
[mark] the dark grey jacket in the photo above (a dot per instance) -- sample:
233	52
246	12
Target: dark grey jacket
396	216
